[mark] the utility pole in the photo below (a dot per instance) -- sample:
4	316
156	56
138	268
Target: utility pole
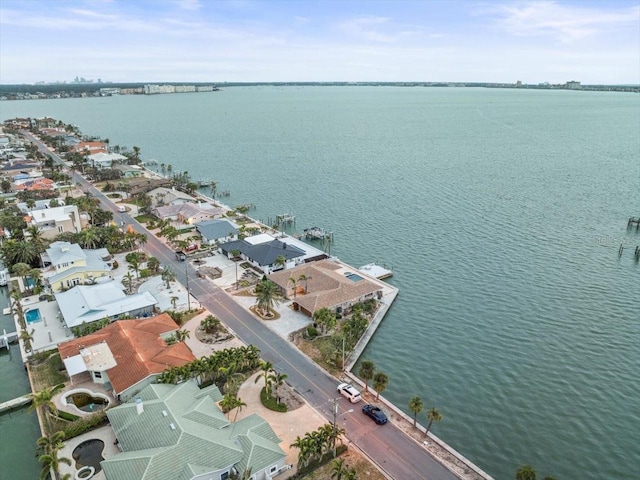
335	415
343	353
186	273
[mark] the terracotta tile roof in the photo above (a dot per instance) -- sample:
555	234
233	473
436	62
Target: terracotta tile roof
37	184
138	348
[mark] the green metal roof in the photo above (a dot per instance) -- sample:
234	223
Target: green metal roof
181	433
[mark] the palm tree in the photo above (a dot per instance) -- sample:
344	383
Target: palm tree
366	372
51	461
36	275
305	279
173	302
325	318
134	264
49	444
210	324
182	335
434	416
295	285
21	270
304	450
339	469
27	338
380	382
153	264
526	472
168	276
278	379
229	402
280	261
266	368
44	398
416	406
267	297
129	279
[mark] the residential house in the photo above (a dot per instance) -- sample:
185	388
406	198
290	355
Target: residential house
326	284
145	184
40	204
162	196
34	184
103	160
263	251
89	148
53	221
217	231
72	265
86	304
130	171
178	432
127	355
188	213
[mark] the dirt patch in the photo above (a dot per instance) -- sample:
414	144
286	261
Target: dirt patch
353	459
289	397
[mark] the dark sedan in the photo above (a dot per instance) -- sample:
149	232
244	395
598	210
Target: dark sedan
375	414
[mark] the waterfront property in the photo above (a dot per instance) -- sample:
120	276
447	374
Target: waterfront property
263	251
188	213
126	355
178	431
71	265
103	160
162	196
217	231
51	222
86	304
326	284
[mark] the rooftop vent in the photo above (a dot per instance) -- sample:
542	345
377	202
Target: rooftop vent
164	413
173	427
139	406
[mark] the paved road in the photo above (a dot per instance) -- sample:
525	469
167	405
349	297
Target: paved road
396	453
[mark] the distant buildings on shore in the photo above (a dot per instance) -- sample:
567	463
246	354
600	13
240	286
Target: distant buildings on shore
34	92
39	91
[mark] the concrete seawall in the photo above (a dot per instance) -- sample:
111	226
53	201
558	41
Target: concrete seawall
386	303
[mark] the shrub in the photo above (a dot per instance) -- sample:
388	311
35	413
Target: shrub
67	416
83	425
312	332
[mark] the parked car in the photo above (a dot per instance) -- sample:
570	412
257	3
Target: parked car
375	414
350	392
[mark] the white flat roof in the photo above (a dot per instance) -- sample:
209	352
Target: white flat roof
98	358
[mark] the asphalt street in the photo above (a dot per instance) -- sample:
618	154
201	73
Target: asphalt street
398	455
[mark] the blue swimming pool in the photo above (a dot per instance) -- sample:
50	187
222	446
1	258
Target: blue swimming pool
353	277
33	316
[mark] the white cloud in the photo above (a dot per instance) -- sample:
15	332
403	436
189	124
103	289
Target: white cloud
364	28
565	22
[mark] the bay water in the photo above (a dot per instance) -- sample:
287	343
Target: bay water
501	212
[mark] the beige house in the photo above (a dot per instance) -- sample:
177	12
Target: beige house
51	222
70	265
326	284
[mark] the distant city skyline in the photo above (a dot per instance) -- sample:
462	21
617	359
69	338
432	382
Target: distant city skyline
591	41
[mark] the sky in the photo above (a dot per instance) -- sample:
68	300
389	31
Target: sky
592	41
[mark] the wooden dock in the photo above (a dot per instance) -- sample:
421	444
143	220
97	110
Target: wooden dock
375	270
15	403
